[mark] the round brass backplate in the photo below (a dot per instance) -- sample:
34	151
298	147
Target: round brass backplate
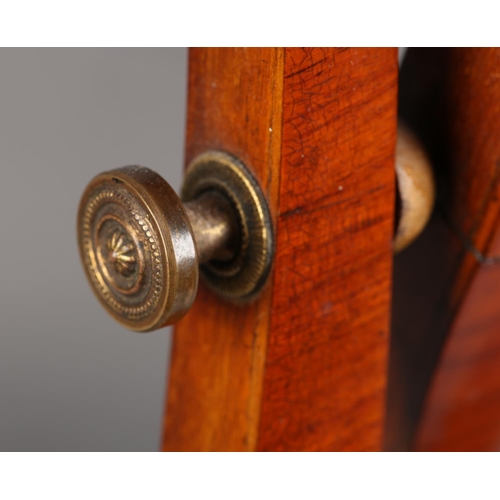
242	277
137	247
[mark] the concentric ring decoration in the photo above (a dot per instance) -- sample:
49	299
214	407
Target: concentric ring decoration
137	248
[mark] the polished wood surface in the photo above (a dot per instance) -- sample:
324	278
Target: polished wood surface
450	98
462	410
324	386
305	367
234	104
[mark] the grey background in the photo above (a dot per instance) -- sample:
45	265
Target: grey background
70	377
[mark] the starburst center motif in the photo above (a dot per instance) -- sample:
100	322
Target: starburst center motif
121	252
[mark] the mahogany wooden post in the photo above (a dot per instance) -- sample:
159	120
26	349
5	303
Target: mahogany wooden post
305	366
461	411
444	388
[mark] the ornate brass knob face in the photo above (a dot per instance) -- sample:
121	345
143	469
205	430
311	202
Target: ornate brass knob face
142	247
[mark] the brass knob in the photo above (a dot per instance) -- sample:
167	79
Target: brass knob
416	189
142	247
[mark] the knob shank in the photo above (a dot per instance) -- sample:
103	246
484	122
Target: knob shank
215	227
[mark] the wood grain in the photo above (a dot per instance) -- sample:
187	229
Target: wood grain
234	104
324	386
304	368
462	409
450	98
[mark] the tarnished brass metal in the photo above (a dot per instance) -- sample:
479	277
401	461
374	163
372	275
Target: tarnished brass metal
215	225
241	277
137	248
142	247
